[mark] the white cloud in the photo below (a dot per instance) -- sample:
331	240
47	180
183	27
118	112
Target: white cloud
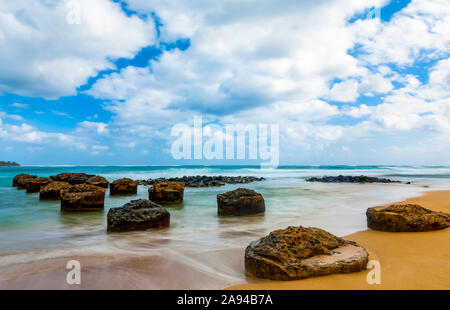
278	61
372	84
99	149
44	56
26	133
346	91
82	137
357	112
419	31
415	106
95	127
19	105
63	114
278	65
239	58
11	116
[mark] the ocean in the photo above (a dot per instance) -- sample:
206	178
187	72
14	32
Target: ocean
200	250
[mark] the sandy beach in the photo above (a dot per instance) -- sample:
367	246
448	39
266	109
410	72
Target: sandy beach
408	260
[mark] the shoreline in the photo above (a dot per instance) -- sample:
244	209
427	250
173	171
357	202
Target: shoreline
416	260
135	261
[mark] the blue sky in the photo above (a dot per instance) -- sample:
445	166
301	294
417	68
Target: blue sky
344	88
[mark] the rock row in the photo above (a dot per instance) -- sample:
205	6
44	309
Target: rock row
285	254
204	181
350	179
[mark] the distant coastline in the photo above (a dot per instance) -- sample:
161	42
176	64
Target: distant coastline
9	164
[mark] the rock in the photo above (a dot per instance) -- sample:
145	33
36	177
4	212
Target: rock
350	179
167	192
53	190
300	252
123	187
20	180
137	215
98	181
241	201
406	217
203	181
72	178
34	185
82	198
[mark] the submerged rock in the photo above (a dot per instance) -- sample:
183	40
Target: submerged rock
34	185
300	252
72	178
82	198
350	179
406	217
123	187
53	190
20	180
203	181
167	192
98	181
137	215
241	201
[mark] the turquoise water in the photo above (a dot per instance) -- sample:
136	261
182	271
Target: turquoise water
197	244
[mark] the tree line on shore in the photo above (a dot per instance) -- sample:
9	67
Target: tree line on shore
8	164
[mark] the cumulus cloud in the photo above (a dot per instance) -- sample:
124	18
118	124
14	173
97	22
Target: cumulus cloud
239	59
302	65
346	91
420	31
11	116
84	136
280	64
45	56
92	127
357	112
28	134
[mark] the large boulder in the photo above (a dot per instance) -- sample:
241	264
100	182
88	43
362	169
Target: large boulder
300	252
241	201
21	180
98	181
137	215
53	190
34	185
123	187
72	178
166	192
406	217
82	198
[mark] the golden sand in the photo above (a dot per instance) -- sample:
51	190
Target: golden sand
417	260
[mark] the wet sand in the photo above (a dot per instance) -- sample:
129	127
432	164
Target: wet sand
408	260
119	272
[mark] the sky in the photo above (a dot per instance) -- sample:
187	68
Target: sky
102	82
